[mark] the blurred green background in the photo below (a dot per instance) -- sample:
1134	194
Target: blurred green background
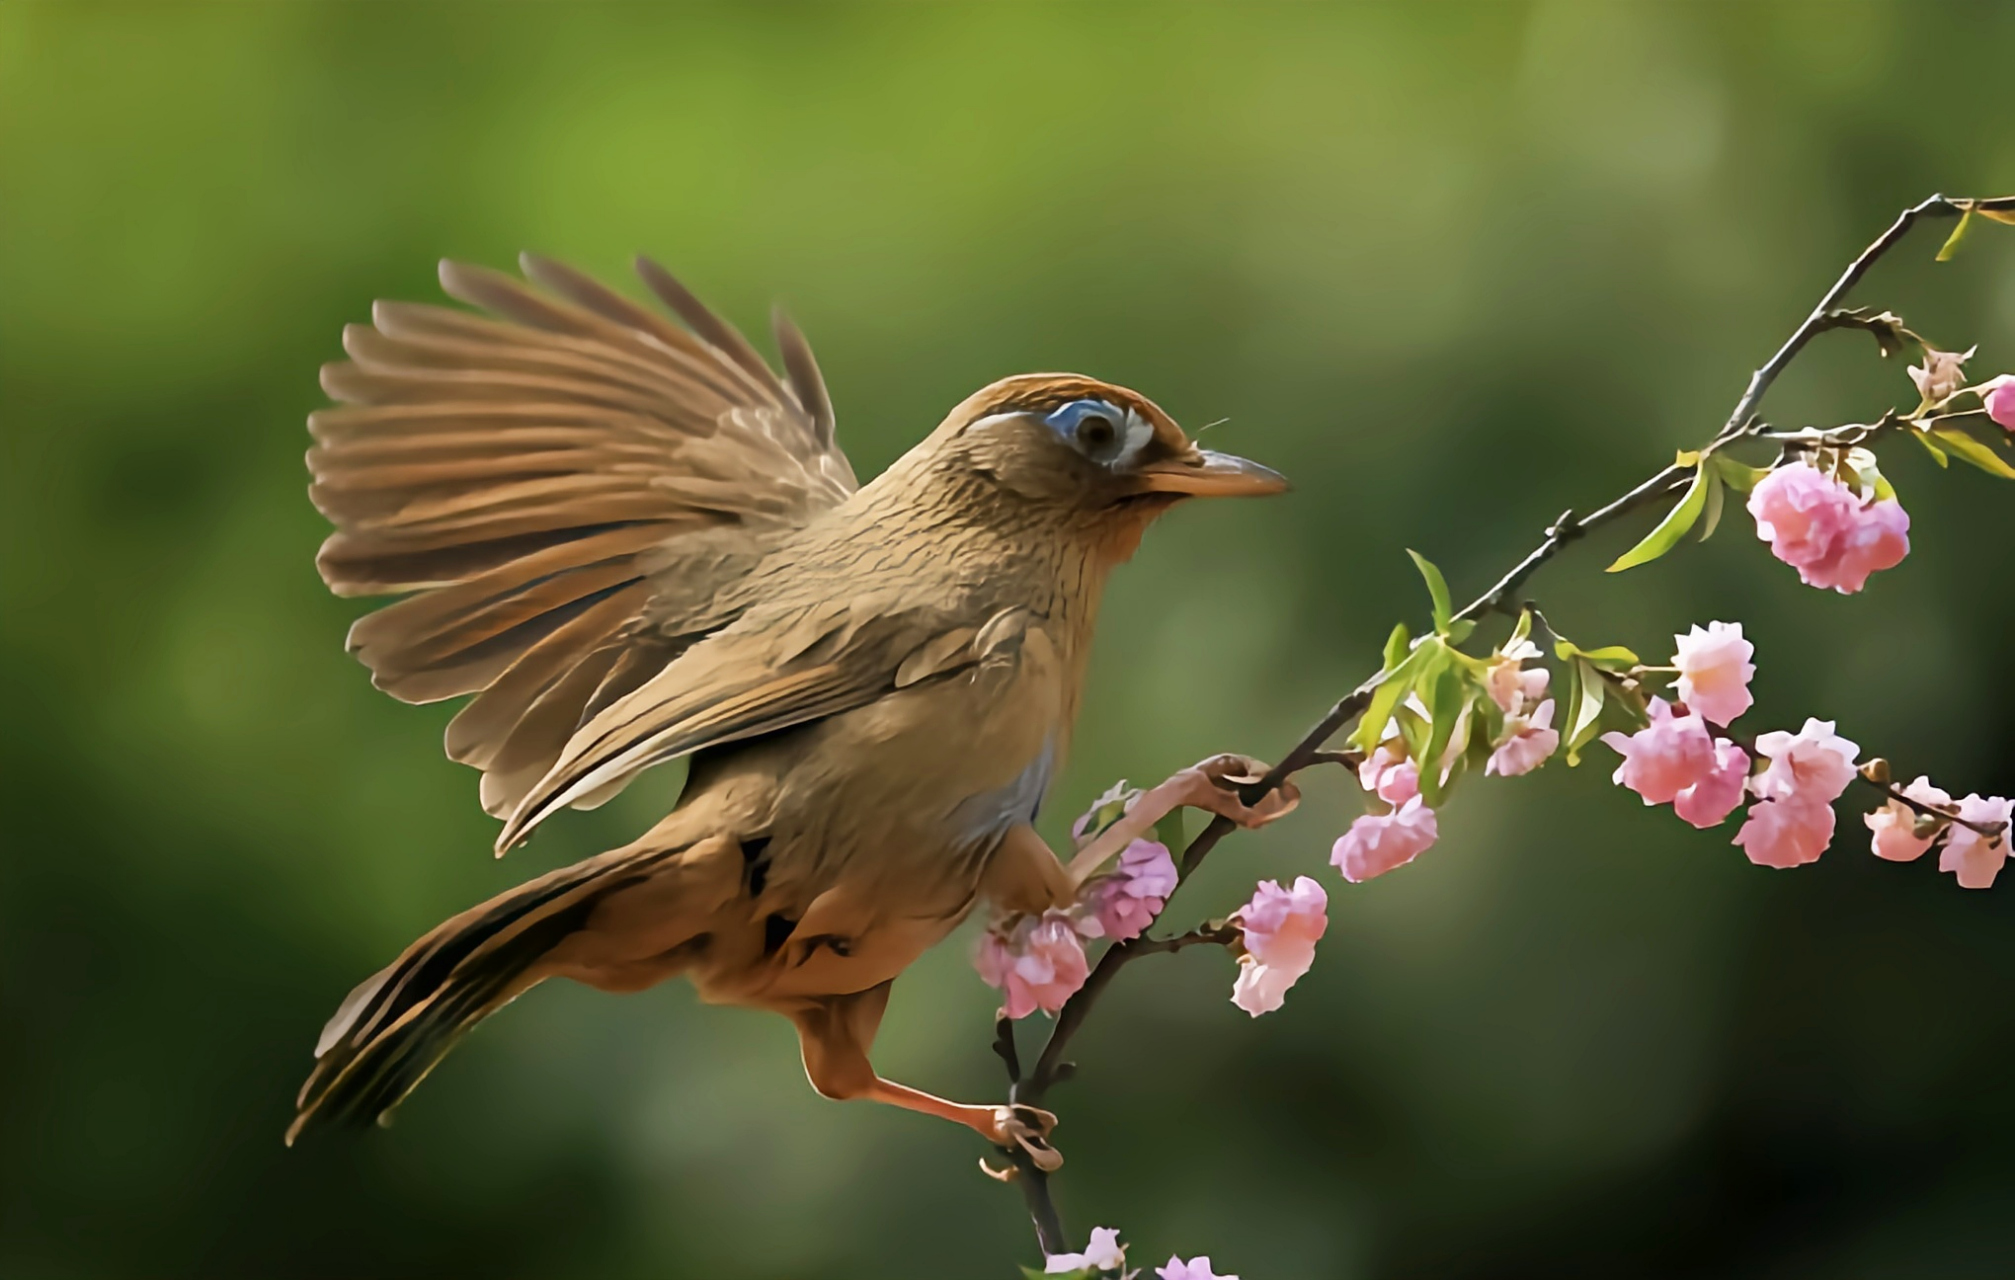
1453	268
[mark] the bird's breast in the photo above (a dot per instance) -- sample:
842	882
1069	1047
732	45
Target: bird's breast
914	790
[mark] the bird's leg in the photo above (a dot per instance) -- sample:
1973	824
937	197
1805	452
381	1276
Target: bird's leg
835	1033
1210	785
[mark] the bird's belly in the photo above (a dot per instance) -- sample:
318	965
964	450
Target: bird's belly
883	823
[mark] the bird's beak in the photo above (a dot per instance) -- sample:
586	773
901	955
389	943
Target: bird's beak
1205	474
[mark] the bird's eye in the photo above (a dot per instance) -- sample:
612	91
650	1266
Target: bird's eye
1097	437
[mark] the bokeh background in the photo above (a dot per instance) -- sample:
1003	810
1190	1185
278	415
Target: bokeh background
1452	267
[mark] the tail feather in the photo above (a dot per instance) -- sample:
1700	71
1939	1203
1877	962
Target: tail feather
393	1028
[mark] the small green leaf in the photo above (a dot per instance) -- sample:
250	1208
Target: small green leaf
1613	657
1937	454
1445	699
1951	245
1413	731
1457	750
1395	646
1522	631
1390	692
1739	476
1437	590
1459	630
1716	493
1980	455
1592	691
1671	529
1569	694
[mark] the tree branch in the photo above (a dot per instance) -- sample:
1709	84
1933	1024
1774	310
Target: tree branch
1051	1067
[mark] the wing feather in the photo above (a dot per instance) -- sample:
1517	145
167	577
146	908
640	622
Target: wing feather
562	483
772	670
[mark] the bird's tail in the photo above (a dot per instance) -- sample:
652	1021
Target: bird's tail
389	1032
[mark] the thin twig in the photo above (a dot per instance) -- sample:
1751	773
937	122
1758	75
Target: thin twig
1050	1066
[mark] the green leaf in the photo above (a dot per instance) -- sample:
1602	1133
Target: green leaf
1973	451
1569	694
1937	454
1456	754
1390	692
1951	245
1739	476
1716	493
1413	731
1460	629
1445	698
1437	589
1522	631
1614	657
1395	646
1671	529
1591	691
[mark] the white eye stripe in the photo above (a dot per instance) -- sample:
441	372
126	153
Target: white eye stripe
1137	433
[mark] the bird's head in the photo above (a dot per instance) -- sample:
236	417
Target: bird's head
1092	450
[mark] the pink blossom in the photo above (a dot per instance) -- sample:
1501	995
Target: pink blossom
1279	928
1879	539
1526	743
1127	900
1941	374
1037	964
1894	824
1378	842
1708	802
1973	858
1389	775
1103	1252
1510	683
1818	526
1815	764
1666	756
1714	671
1786	833
1197	1268
1999	397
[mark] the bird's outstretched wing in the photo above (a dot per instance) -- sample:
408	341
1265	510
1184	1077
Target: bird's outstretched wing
561	488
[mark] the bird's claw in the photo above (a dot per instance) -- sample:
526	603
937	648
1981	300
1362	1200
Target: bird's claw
1026	1130
1215	785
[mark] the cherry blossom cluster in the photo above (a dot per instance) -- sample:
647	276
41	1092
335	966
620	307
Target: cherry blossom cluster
1678	758
1104	1256
1821	526
1039	962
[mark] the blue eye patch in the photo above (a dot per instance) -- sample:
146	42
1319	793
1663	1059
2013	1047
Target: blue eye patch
1064	419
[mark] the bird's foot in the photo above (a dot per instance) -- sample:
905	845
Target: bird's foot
1214	785
1025	1129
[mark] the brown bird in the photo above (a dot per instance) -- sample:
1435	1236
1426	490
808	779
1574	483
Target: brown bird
634	543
